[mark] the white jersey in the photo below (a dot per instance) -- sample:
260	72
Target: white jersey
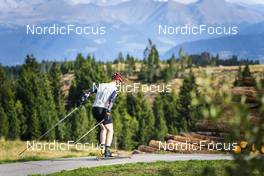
105	95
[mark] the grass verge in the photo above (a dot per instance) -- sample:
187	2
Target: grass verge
9	151
160	168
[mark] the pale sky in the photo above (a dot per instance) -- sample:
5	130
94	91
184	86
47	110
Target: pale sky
17	3
243	1
249	1
182	1
10	5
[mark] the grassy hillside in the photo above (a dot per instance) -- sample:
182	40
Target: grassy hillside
218	75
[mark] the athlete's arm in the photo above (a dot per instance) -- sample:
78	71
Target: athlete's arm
86	95
111	101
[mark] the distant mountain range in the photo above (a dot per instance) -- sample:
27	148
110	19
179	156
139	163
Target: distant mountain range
129	24
244	46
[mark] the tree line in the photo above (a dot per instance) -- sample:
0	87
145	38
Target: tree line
152	70
32	101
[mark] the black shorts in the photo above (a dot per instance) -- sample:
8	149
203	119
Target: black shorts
101	114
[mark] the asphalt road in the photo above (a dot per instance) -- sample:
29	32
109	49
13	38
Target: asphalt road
57	165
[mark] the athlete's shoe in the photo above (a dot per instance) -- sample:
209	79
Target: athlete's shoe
108	153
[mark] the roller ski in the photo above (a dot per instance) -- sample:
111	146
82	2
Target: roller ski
107	155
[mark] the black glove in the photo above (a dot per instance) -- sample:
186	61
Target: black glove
83	99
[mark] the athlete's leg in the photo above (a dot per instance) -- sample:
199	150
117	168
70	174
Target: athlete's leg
103	133
109	137
109	134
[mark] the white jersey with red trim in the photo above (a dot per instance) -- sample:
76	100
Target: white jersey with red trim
105	95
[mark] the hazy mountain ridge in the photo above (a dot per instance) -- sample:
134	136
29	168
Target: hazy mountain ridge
244	46
129	25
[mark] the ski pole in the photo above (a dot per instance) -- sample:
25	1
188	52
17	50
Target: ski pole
51	129
89	131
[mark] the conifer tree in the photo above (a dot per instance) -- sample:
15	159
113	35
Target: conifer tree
129	129
150	71
181	59
145	119
169	101
170	71
46	108
125	125
14	125
56	85
27	93
131	104
3	123
21	117
33	128
78	62
9	107
35	93
130	65
7	99
55	81
185	109
160	123
2	74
